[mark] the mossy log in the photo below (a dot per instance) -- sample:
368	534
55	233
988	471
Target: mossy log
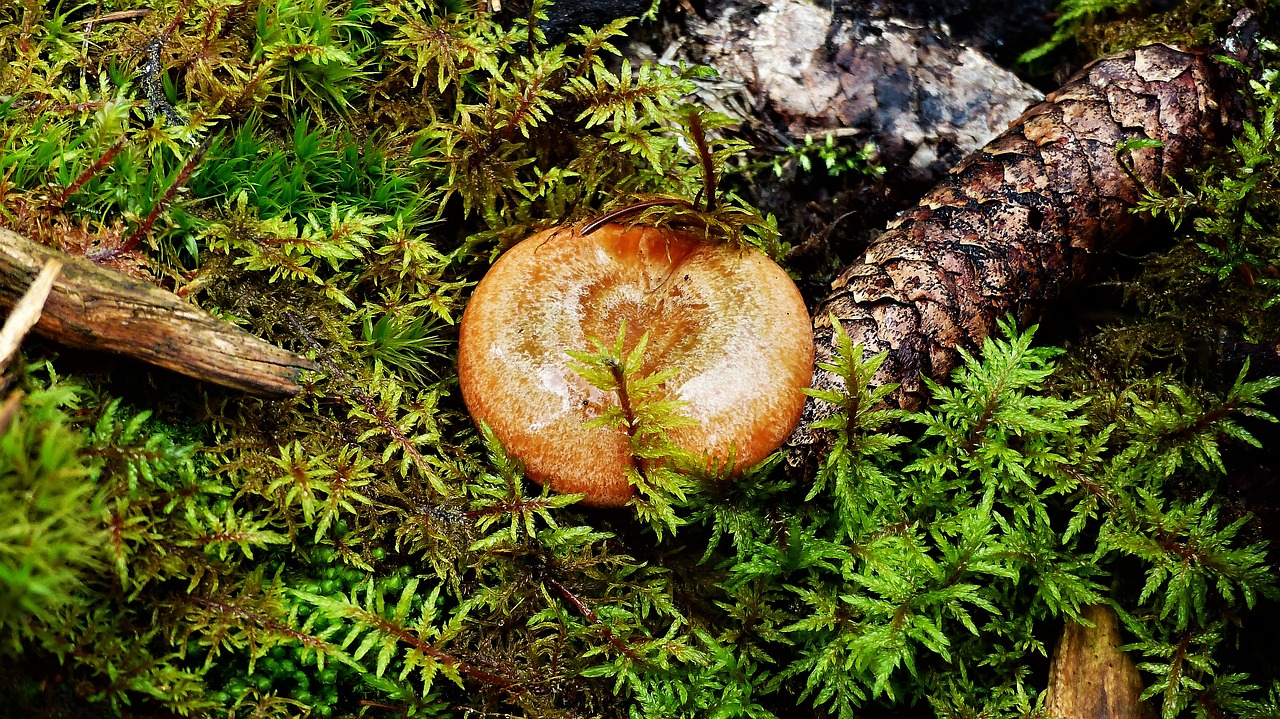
93	308
1029	216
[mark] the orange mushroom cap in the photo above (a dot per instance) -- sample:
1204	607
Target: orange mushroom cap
728	319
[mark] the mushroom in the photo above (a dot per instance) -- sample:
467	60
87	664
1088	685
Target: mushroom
727	319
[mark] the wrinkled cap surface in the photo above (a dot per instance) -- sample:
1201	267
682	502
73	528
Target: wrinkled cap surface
729	320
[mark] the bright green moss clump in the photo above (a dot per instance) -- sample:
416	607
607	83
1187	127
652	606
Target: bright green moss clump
348	171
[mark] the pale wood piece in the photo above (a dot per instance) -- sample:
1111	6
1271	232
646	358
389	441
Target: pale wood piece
26	312
1089	677
9	409
90	307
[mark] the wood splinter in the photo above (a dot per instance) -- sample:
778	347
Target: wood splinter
93	308
25	314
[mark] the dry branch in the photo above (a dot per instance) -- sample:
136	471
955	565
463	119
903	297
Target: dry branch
98	309
26	312
1028	216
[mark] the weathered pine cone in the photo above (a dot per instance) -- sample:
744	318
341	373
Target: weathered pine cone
1028	216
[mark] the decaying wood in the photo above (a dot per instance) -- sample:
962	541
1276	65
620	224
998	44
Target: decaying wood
93	308
1090	677
26	312
866	70
1021	221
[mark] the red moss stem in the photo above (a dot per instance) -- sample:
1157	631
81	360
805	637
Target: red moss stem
709	180
591	617
609	217
89	173
384	420
135	238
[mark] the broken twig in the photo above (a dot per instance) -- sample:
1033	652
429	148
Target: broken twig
90	307
1090	677
26	312
116	16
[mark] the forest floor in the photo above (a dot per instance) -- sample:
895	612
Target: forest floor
335	178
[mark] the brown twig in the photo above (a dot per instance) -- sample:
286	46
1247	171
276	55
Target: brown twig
608	217
84	46
115	17
90	307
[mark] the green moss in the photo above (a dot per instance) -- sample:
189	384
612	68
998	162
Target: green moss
1103	26
362	548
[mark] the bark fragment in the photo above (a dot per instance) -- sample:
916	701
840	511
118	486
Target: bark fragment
93	308
26	312
924	99
1090	677
1028	216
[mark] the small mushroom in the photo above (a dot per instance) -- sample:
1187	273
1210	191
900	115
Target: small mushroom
727	319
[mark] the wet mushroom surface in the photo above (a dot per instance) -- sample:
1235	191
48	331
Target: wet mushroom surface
727	321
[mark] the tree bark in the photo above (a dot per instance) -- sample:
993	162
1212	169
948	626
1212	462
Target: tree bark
1090	677
98	309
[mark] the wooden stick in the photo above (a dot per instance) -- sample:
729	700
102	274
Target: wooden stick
98	309
118	15
26	312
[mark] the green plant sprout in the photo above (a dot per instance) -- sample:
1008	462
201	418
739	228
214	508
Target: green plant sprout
646	411
835	159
